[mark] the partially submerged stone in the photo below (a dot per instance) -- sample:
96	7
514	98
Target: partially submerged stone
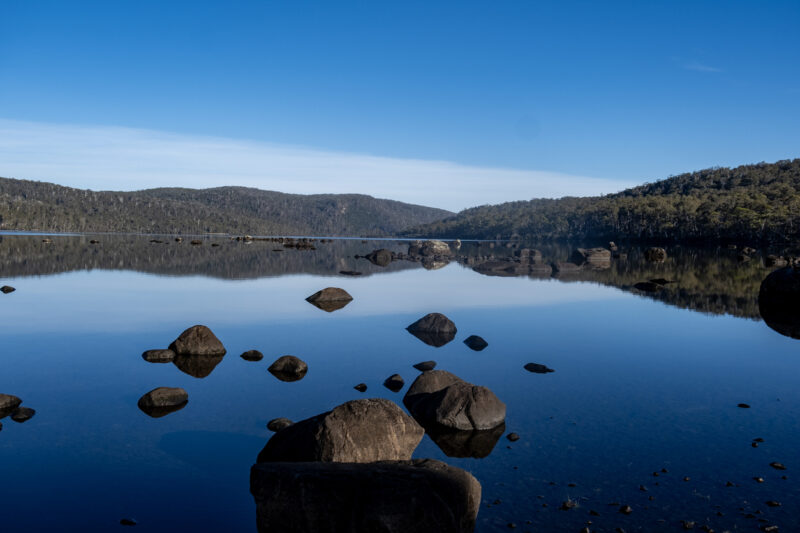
418	496
445	399
358	431
288	368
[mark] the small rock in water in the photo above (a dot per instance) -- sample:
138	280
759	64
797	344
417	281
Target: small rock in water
22	414
158	356
277	424
5	289
394	383
127	522
361	387
536	368
743	406
513	437
777	466
476	343
252	355
425	365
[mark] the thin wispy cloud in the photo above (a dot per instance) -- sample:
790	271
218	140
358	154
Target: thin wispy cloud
116	158
700	67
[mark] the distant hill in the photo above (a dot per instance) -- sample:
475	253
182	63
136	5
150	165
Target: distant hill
752	203
38	206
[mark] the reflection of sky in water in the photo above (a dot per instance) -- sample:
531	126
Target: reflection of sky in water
638	386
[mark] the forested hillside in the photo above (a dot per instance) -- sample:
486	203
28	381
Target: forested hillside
753	203
38	206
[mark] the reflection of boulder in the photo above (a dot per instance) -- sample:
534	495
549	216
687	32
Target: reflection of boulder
380	257
433	329
288	368
416	496
358	431
779	301
197	340
655	255
330	299
163	401
439	397
455	443
197	366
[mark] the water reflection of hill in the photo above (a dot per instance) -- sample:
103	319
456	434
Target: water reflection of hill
710	280
27	255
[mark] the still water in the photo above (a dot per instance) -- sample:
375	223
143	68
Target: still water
642	382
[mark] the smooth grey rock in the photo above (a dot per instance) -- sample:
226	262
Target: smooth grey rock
419	496
197	340
158	356
288	368
437	396
358	431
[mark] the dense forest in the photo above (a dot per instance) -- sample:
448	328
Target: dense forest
753	203
37	206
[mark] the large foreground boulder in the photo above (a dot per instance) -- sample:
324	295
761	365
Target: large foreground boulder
359	431
779	301
330	299
434	329
419	496
197	340
163	401
439	397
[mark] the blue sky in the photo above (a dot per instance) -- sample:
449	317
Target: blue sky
532	98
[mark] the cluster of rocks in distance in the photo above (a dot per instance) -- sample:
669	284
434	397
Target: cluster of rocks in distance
11	406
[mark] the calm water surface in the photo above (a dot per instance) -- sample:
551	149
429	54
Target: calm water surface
641	383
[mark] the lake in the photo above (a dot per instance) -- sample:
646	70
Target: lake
641	409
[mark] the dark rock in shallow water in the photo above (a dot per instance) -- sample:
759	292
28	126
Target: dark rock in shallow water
330	299
425	365
394	382
22	414
288	368
5	289
445	399
197	340
358	431
361	387
647	286
536	368
476	343
380	257
8	403
163	401
158	356
655	255
419	496
465	443
277	424
197	366
433	329
252	355
779	301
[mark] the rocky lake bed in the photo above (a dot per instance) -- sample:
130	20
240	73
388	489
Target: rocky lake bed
299	384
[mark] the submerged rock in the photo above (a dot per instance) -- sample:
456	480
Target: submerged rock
439	397
288	368
163	401
252	355
358	431
394	382
197	366
197	340
419	496
476	343
536	368
5	289
433	329
158	356
277	424
655	255
22	414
